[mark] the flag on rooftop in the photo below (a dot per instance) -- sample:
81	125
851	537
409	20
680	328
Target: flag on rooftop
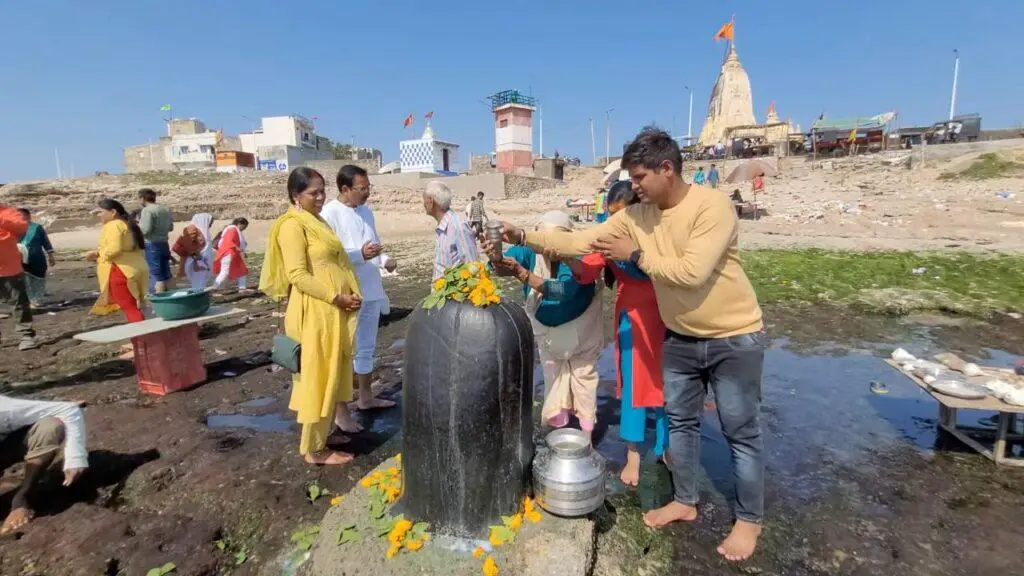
408	121
727	31
429	115
165	108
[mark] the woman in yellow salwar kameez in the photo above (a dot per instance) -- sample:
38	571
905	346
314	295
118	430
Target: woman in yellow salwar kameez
306	263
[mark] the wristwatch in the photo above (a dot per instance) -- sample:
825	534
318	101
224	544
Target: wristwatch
634	258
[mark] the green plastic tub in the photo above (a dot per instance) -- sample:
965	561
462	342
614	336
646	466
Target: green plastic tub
180	304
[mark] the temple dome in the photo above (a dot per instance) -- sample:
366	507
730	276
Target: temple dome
731	103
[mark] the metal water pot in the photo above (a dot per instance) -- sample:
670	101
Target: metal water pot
568	474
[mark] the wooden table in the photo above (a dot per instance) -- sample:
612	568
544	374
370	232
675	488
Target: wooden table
167	353
950	405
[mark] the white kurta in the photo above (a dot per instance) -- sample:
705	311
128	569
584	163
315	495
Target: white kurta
355	231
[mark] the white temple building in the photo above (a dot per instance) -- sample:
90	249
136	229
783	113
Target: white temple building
731	103
428	154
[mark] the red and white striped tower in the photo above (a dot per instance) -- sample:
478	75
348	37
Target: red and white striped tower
513	131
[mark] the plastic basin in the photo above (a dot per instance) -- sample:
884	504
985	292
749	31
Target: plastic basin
180	304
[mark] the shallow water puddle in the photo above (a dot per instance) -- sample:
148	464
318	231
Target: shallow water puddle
260	423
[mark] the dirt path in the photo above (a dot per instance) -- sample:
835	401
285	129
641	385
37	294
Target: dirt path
163	486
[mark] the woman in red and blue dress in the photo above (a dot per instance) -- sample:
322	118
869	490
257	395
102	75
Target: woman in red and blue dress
640	333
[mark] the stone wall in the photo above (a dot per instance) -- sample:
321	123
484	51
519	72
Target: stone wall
481	165
330	168
493	185
146	158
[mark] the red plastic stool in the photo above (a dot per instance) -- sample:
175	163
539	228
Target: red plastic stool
169	361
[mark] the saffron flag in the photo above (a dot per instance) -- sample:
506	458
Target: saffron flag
408	121
165	108
727	31
429	115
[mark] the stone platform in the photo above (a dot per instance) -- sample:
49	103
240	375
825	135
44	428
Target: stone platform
552	547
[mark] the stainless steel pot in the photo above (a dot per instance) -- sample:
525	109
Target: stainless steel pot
568	474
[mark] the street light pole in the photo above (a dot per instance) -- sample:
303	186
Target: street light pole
593	143
608	133
689	121
956	73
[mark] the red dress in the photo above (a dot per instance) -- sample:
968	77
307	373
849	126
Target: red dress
635	298
231	243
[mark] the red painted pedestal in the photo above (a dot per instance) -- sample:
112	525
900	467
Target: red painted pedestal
169	361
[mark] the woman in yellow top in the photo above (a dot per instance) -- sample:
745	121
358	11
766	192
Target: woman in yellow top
306	263
120	263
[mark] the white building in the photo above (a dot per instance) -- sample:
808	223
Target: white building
428	154
285	141
199	151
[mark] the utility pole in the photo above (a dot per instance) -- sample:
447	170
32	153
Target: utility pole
593	144
56	157
540	113
689	122
956	73
608	133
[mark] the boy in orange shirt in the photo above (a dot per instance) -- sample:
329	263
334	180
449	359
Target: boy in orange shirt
13	226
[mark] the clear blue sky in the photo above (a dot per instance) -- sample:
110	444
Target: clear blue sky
89	78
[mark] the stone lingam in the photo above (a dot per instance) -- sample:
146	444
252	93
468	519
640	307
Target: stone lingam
467	413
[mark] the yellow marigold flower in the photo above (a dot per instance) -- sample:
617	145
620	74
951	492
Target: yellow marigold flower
495	541
517	522
493	299
528	504
465	289
414	545
490	568
478	552
336	500
392	550
478	297
439	284
366	482
533	516
464	274
393	471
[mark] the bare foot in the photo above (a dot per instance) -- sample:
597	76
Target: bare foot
329	458
344	420
374	404
669	513
17	519
631	471
741	542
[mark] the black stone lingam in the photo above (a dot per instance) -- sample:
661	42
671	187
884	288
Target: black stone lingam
467	405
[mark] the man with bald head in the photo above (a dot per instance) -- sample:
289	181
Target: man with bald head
455	240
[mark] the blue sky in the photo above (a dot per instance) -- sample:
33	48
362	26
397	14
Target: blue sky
88	78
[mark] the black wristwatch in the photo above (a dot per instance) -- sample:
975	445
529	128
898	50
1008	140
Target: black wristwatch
635	257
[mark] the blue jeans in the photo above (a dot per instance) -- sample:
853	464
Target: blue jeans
158	258
732	368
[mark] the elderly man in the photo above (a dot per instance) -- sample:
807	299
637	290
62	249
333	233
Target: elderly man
456	242
355	225
35	432
686	239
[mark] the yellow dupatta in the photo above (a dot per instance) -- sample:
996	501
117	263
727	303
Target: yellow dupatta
274	278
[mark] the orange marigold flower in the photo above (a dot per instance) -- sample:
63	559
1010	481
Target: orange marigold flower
392	550
490	568
414	545
478	552
517	522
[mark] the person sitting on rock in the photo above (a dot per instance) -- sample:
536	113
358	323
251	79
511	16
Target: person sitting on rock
35	432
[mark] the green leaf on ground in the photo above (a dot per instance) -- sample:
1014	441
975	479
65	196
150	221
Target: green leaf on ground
240	557
419	530
162	570
348	533
314	491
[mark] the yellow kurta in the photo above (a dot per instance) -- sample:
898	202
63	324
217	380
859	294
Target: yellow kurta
118	247
316	267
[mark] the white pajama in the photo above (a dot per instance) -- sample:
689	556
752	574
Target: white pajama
366	336
225	269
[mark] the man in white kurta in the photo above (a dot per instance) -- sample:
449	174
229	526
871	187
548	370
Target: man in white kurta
354	224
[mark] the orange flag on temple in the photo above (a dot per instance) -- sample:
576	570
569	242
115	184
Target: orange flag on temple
727	31
408	121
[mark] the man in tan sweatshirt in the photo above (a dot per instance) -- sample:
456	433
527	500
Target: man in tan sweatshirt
685	238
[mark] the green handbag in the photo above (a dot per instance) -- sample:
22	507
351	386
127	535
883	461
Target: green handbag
284	351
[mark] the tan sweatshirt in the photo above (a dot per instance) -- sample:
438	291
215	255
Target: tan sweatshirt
690	252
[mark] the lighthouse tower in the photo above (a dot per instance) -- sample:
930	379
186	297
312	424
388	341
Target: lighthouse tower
513	131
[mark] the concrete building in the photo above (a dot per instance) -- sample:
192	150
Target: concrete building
731	103
513	131
199	151
428	154
283	142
